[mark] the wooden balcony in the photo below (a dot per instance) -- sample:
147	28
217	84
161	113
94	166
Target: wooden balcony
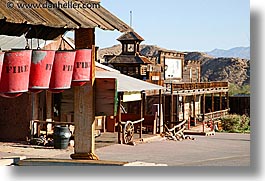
196	87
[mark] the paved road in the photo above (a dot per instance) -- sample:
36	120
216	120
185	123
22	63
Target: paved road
220	150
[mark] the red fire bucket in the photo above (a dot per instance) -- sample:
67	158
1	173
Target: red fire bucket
82	67
2	54
62	70
15	73
40	70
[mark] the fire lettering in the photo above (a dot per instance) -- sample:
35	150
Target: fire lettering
16	69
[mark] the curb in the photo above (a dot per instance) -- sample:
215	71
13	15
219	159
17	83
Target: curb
69	162
11	160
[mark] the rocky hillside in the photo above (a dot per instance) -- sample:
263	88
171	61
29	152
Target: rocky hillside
234	70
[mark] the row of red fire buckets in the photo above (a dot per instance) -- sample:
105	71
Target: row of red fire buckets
37	70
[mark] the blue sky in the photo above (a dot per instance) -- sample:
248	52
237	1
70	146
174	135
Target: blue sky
183	25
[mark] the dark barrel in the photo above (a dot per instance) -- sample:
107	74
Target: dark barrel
61	137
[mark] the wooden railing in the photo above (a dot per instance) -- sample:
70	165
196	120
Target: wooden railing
210	119
215	115
195	85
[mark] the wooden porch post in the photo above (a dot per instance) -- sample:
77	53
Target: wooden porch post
49	115
142	113
160	112
35	113
227	100
183	108
212	98
171	107
84	103
120	140
203	106
194	109
177	107
221	101
164	108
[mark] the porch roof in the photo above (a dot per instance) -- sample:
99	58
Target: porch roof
127	83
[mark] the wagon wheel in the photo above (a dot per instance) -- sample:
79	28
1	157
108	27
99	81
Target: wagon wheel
128	132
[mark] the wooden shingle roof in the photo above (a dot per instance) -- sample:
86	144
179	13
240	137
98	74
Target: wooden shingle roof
48	23
130	36
129	59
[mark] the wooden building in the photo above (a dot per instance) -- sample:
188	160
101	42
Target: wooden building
48	24
184	98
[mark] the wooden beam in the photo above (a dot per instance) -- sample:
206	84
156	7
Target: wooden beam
160	112
35	113
177	108
227	100
203	106
49	115
183	108
164	108
194	109
171	107
221	101
212	98
84	38
142	112
84	103
120	141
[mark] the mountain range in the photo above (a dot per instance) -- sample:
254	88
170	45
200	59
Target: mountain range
237	52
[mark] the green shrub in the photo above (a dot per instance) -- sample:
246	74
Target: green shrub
236	89
236	124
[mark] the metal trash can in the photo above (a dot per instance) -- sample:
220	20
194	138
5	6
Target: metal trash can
61	137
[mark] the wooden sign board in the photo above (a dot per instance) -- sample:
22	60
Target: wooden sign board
106	96
131	96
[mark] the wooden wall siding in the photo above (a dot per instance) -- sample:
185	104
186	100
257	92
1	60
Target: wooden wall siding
188	108
85	38
196	72
15	116
208	103
106	96
67	106
155	78
239	105
150	101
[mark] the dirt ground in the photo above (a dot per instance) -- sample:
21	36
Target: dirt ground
8	149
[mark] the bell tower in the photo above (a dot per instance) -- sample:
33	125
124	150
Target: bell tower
130	43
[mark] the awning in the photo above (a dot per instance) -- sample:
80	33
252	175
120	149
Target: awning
128	84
